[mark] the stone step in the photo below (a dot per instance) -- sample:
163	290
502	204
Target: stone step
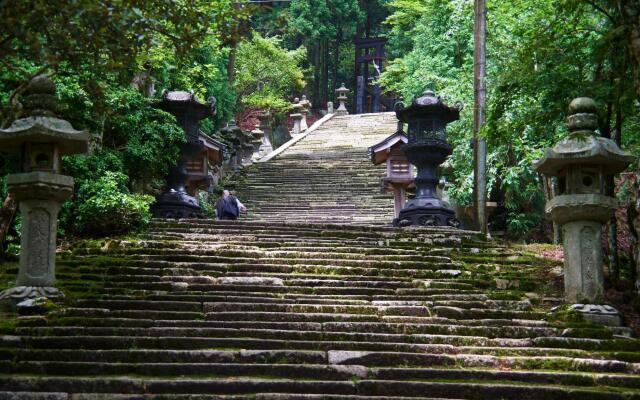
384	388
322	372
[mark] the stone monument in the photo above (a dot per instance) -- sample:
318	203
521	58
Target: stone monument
342	98
43	139
582	162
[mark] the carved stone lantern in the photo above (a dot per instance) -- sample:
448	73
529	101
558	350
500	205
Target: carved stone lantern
265	119
176	202
296	116
41	138
399	174
427	148
255	136
342	92
306	108
234	133
264	147
581	163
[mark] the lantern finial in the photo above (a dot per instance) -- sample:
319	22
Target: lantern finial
582	118
40	99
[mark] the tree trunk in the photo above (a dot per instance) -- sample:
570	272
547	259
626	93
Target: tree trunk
479	83
231	67
7	212
336	62
325	74
315	54
631	18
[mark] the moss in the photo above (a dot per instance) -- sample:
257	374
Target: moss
565	315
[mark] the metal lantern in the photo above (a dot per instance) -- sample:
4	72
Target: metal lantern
427	147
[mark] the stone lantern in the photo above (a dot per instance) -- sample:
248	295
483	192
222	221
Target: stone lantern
399	174
265	144
427	148
176	202
342	98
306	108
235	135
581	163
265	119
296	116
42	138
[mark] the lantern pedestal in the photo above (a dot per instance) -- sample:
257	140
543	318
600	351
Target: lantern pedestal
39	195
175	202
581	216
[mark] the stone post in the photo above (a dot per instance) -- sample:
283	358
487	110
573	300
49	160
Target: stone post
330	109
41	189
342	92
582	163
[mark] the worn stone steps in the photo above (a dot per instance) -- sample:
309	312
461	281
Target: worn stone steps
361	387
317	301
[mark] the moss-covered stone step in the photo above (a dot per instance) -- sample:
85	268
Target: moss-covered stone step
467	390
185	343
315	371
423	335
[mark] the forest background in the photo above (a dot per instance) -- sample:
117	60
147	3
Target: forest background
256	56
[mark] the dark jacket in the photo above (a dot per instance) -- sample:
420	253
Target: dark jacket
227	208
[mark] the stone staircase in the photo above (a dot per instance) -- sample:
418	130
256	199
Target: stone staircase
263	309
325	177
208	309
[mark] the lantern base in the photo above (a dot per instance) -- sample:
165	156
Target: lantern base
20	293
176	205
440	215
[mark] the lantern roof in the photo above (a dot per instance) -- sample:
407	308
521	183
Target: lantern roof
582	146
428	104
179	102
42	125
380	152
214	148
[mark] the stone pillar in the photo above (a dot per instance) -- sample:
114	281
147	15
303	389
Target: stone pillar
330	109
342	98
583	279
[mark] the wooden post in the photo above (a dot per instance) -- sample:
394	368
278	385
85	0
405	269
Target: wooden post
480	88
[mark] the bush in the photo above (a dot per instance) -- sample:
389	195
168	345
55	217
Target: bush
106	207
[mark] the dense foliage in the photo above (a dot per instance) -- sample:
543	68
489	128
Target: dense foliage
109	75
106	207
266	73
540	55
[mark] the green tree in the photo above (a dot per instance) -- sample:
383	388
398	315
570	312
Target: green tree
540	55
267	74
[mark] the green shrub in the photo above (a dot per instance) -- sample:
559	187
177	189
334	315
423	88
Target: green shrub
106	207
